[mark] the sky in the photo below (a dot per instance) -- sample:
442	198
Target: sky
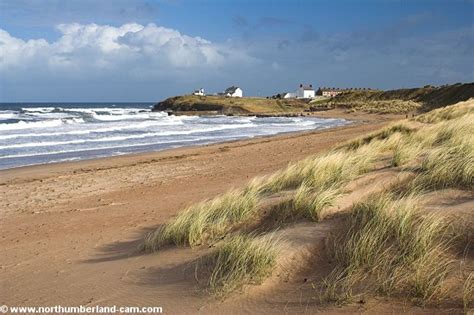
145	50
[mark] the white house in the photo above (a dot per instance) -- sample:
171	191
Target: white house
233	91
199	92
289	95
305	91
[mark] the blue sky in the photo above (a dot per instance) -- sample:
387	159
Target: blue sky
126	50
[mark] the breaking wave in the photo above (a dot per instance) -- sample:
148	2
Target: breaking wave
32	134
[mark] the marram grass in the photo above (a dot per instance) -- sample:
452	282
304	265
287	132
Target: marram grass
448	112
311	203
207	220
240	260
322	172
468	292
382	134
448	166
392	246
443	135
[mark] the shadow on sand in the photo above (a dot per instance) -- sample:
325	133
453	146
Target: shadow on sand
121	249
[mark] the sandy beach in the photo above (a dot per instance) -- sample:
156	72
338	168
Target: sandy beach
236	157
74	227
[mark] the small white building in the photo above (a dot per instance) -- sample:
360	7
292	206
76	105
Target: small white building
199	92
305	91
233	91
289	95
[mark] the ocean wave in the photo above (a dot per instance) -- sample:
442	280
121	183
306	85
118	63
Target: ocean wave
122	138
50	115
38	109
127	127
4	115
59	133
35	124
113	110
116	117
39	124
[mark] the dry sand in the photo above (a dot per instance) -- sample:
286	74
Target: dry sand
69	231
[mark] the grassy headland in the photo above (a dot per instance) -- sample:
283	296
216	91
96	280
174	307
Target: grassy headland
414	100
187	104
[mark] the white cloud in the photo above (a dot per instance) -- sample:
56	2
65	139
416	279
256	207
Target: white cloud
16	53
144	62
88	49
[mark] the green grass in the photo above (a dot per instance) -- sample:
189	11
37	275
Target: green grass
241	260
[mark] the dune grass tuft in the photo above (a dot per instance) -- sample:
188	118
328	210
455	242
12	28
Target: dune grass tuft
331	169
310	203
389	243
383	134
448	166
207	220
468	292
241	260
443	135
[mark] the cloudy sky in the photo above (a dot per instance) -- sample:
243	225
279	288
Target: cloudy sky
137	50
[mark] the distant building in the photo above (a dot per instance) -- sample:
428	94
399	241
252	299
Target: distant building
233	91
331	92
328	92
199	92
305	91
289	95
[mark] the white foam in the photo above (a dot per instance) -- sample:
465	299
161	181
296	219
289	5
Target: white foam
38	109
123	127
35	124
49	115
116	117
40	124
8	115
107	110
122	138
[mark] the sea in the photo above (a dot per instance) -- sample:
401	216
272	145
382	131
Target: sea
40	133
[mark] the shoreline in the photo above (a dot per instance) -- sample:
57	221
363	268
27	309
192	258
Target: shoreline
151	154
87	165
165	148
